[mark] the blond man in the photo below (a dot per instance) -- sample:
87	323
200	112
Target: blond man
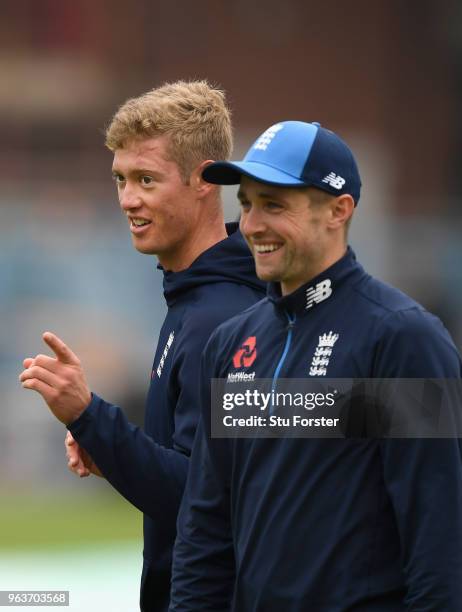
161	141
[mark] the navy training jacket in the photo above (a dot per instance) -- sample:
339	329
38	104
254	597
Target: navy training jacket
149	467
323	525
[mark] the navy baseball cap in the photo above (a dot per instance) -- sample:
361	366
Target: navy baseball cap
294	154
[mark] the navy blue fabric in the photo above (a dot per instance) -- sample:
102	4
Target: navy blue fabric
324	525
149	467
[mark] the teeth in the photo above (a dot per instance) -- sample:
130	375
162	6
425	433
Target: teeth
139	222
266	248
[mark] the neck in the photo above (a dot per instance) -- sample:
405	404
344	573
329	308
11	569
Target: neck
314	269
205	235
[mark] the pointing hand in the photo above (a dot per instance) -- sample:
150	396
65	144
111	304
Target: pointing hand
60	380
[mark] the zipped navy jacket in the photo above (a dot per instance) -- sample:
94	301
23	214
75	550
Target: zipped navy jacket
323	525
149	467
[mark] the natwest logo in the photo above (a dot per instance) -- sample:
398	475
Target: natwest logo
246	354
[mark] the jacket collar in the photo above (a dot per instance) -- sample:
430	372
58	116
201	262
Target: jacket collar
229	260
316	292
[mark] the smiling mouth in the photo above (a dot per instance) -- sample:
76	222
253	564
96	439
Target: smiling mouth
136	222
263	249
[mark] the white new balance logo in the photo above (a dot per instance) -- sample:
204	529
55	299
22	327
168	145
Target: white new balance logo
319	293
334	180
266	138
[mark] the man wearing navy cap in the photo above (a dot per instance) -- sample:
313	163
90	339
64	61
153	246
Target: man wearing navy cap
318	525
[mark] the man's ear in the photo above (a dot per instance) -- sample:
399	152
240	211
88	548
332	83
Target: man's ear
341	209
197	182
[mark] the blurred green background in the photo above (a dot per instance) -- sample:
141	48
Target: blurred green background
88	545
68	521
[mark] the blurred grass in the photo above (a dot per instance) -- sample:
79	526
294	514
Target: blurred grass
31	522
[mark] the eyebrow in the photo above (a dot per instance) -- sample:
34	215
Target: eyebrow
241	195
138	171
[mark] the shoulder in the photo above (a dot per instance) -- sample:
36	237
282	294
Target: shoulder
398	313
414	343
382	297
410	341
217	307
227	333
239	321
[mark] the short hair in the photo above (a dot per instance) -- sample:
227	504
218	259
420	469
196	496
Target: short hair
319	198
193	115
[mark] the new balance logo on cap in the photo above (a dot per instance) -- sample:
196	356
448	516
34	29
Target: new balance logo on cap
266	138
334	180
318	293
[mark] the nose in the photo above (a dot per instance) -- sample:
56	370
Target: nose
129	197
252	222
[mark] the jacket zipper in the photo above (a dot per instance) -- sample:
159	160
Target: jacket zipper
283	356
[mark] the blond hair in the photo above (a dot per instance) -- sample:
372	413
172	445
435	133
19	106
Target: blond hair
192	114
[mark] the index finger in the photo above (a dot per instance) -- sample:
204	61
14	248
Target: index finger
61	350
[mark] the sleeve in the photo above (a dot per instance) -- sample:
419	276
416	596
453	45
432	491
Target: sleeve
147	474
150	476
203	563
423	477
424	481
